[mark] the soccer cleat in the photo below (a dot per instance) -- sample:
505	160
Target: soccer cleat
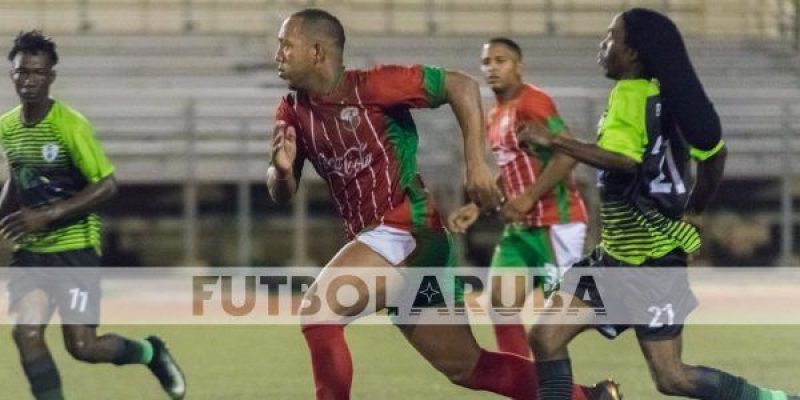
164	367
605	390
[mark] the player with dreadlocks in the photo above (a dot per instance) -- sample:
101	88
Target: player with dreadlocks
658	114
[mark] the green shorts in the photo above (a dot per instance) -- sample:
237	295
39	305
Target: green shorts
552	249
437	249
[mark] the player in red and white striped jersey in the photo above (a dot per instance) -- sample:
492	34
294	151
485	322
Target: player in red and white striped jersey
545	214
355	128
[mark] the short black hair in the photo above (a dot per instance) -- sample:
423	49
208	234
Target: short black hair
662	53
512	45
34	42
324	23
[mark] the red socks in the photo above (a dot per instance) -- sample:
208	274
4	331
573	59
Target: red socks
330	361
506	374
510	375
512	339
502	373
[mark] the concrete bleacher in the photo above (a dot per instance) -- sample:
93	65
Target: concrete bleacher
184	91
171	107
420	17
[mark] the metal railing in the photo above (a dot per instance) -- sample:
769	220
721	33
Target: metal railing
769	153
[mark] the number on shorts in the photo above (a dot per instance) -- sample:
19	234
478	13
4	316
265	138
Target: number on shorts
658	312
79	299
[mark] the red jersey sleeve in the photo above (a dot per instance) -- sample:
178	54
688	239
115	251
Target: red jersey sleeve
536	105
417	86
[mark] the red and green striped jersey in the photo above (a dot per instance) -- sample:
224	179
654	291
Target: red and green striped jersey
519	170
51	161
362	141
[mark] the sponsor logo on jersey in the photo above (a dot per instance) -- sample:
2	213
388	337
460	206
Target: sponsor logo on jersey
350	164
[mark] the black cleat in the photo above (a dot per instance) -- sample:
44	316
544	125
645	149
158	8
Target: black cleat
605	390
164	367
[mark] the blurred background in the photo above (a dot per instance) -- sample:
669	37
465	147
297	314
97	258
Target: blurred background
182	94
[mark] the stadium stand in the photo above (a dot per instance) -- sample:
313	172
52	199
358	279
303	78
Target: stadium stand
186	95
214	95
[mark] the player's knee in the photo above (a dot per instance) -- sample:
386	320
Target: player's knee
28	336
81	350
456	369
670	384
543	342
457	373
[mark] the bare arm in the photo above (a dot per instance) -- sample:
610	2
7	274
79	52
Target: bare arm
709	177
556	170
531	135
463	94
283	174
592	154
8	200
30	220
282	185
85	201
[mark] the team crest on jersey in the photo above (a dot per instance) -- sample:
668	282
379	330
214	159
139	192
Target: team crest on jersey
50	152
350	118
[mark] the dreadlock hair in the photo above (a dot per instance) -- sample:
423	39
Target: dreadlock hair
663	55
34	42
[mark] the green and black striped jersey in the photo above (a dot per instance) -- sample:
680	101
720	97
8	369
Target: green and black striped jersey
53	160
631	232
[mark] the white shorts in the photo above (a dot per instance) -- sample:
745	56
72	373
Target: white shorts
567	241
395	245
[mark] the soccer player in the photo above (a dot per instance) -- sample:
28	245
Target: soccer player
656	104
355	128
545	215
59	176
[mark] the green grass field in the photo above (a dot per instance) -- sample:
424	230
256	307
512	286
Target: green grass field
271	362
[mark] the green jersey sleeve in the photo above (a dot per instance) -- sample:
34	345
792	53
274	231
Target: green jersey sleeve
85	150
623	129
434	83
701	155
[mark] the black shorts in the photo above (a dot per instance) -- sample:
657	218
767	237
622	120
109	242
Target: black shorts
666	304
71	280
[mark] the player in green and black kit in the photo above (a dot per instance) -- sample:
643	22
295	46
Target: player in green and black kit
58	176
658	115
